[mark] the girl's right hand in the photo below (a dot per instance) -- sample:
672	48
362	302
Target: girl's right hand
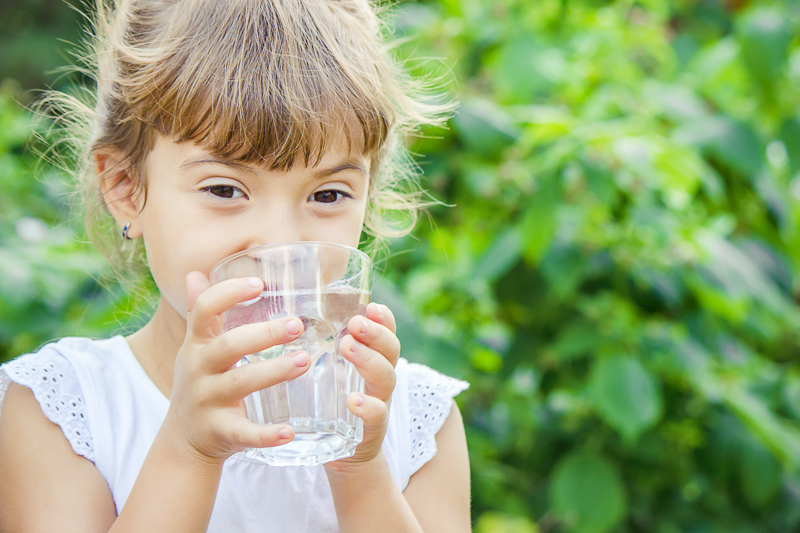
206	404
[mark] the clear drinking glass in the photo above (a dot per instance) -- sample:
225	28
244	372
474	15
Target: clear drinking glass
324	285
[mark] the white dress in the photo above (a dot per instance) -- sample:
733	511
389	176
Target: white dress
110	412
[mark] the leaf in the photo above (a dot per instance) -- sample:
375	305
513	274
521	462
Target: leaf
564	267
486	360
666	284
501	256
484	127
539	223
626	395
523	68
791	395
734	144
764	35
678	101
790	135
576	340
759	473
587	493
740	274
493	522
782	439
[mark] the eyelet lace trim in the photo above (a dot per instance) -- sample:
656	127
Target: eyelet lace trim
55	386
429	399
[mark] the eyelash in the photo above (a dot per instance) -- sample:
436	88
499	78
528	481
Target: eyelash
215	190
210	190
339	196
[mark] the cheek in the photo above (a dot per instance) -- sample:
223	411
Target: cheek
176	245
351	229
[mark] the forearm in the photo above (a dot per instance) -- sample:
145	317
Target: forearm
175	491
367	499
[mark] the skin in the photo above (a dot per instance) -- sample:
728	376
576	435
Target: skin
198	210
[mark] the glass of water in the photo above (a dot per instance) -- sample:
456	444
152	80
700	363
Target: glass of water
324	285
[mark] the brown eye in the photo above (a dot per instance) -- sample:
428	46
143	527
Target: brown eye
328	197
325	197
223	191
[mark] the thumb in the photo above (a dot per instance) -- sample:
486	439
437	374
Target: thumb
196	283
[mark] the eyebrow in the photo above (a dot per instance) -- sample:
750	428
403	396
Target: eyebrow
319	174
217	161
341	167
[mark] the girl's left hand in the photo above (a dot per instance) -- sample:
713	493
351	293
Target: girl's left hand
373	347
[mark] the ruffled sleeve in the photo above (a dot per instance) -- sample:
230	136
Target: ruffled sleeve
430	396
55	385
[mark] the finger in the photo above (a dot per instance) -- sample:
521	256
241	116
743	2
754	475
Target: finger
246	434
375	335
374	367
242	380
372	411
196	282
252	338
382	315
209	305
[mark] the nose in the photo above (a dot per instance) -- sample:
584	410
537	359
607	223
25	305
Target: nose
274	223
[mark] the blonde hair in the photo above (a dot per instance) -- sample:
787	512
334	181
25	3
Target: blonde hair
270	82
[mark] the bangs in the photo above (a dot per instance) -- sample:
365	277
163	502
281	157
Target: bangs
272	83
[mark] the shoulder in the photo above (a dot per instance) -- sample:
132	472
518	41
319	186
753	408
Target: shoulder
438	490
421	404
37	458
53	376
430	400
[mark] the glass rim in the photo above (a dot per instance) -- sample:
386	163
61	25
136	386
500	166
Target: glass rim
278	245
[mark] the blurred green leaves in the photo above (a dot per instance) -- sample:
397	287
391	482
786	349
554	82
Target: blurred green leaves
764	34
49	276
619	271
587	493
625	395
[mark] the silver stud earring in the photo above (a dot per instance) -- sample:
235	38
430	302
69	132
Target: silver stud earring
125	229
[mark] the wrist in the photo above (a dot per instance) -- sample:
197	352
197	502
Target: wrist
367	469
367	498
174	444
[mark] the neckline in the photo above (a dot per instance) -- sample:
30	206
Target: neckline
133	364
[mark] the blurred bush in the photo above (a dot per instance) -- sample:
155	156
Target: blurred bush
618	275
615	270
35	37
49	276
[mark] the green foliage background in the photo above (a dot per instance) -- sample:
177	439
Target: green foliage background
616	270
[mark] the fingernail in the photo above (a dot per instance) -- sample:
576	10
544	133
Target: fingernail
256	283
364	325
377	309
300	359
360	399
283	433
356	346
294	326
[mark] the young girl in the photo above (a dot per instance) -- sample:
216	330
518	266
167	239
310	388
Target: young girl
220	125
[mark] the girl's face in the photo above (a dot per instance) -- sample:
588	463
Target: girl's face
200	208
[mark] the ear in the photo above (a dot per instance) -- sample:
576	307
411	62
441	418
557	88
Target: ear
123	193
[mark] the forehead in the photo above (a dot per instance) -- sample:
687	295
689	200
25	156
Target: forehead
180	154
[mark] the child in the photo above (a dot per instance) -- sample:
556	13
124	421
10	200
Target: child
220	125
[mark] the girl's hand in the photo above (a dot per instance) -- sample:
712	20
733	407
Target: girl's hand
373	347
206	405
